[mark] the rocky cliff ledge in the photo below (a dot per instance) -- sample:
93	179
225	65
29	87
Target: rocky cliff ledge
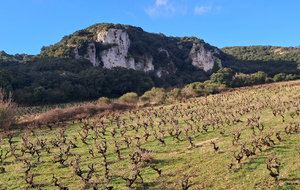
203	58
117	55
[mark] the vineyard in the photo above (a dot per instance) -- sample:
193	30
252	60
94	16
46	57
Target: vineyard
246	138
36	110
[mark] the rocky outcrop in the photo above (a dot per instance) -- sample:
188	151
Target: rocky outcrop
203	58
117	54
91	54
160	50
145	63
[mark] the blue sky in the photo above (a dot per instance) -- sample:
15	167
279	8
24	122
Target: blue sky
28	25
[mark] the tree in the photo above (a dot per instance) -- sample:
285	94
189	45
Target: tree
67	88
223	76
215	68
279	77
6	80
258	78
175	94
39	94
103	101
241	79
194	89
130	97
155	96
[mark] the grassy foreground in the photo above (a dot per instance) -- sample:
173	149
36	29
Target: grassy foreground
244	139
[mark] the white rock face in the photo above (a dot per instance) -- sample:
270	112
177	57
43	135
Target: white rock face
203	58
145	63
91	55
76	54
118	54
164	50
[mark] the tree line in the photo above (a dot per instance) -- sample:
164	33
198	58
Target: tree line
57	80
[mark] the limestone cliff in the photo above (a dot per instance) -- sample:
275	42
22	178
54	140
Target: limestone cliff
90	55
203	58
117	55
109	45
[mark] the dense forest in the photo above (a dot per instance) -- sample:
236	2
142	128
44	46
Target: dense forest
55	80
55	76
269	59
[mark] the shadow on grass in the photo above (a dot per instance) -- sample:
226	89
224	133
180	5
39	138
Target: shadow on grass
254	163
289	181
281	149
145	185
63	166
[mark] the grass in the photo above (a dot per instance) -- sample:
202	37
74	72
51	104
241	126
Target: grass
224	114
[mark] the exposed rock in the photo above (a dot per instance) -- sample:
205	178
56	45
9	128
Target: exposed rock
163	50
91	55
118	54
76	54
115	56
203	58
145	63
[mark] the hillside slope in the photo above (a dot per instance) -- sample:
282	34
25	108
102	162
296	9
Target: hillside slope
112	45
247	138
270	59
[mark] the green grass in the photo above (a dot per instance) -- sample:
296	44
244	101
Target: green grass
205	167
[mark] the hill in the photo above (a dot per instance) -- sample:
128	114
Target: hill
269	59
107	60
112	45
113	59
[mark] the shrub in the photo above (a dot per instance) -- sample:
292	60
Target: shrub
130	97
103	101
194	89
241	79
202	89
189	92
7	111
212	88
155	96
223	76
222	87
279	77
174	94
145	99
291	77
258	78
56	116
269	80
